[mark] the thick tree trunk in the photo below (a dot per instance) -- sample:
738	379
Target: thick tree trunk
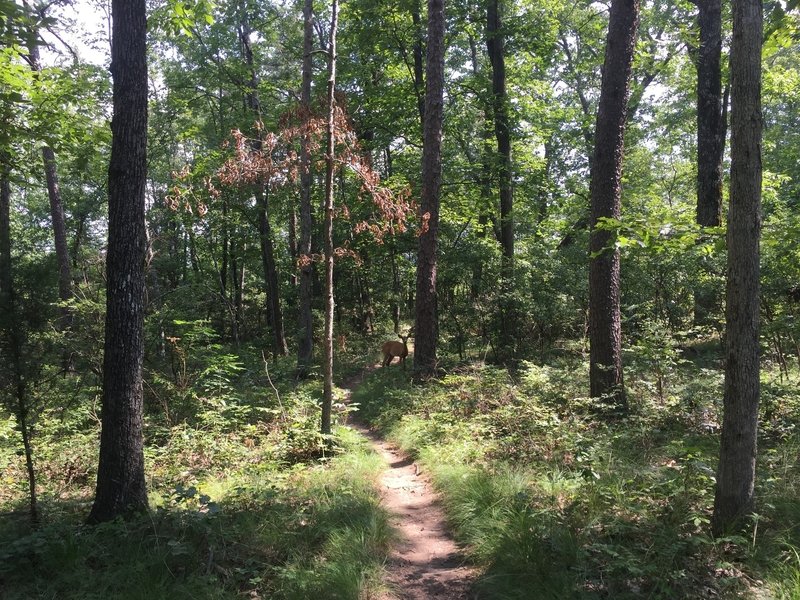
120	476
605	330
327	399
737	462
305	342
710	123
426	321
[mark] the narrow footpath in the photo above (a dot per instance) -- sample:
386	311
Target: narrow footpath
426	564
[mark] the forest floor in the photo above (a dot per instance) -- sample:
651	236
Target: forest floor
426	563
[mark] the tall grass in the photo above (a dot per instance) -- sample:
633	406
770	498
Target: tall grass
554	501
252	505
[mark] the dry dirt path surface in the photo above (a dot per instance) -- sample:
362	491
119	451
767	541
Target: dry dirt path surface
425	564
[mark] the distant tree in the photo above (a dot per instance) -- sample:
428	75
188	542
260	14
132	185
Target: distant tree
305	342
262	198
120	476
495	41
605	329
327	235
426	324
737	460
53	193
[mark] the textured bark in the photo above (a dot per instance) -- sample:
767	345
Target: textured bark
495	42
426	321
605	330
736	472
120	476
710	121
327	395
305	342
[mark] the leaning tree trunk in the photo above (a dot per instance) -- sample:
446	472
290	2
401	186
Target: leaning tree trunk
327	399
605	330
120	477
737	461
305	342
426	321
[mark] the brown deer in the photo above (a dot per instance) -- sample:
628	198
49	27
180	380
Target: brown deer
392	349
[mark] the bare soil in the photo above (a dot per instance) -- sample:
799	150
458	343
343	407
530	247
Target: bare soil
426	564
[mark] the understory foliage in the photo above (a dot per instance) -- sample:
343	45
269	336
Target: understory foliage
547	497
248	498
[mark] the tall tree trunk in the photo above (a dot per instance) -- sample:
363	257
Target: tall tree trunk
484	178
237	278
305	342
711	129
120	476
495	42
419	56
710	123
327	399
396	291
605	330
223	268
426	321
737	461
59	232
271	274
262	203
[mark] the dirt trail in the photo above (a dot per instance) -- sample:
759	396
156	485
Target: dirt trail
426	564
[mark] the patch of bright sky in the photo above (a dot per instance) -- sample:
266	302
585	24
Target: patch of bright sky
85	27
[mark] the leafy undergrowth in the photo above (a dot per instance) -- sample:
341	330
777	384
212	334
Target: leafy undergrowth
247	500
556	501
